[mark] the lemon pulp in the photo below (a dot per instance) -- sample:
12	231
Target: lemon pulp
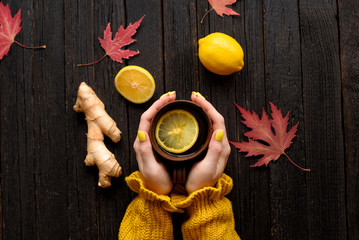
135	84
177	131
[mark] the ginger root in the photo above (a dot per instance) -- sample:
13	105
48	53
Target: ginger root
98	123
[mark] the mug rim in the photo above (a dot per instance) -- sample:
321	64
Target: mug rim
186	105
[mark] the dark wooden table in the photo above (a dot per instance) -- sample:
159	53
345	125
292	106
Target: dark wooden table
302	55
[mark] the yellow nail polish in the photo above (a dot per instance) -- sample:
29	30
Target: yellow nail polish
219	135
199	95
168	94
141	136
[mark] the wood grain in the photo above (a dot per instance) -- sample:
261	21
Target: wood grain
254	221
79	48
284	89
301	55
322	120
349	56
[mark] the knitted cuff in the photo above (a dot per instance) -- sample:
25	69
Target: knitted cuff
210	214
181	199
136	184
148	216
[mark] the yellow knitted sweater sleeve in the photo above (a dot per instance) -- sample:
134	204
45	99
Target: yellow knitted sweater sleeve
149	215
210	214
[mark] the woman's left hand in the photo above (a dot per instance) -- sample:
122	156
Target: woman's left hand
154	173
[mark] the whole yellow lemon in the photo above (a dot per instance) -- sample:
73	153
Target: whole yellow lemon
220	53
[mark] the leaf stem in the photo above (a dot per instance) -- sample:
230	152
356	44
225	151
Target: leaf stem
304	169
37	47
89	64
206	15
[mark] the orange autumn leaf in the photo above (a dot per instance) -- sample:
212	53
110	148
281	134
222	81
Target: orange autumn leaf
262	140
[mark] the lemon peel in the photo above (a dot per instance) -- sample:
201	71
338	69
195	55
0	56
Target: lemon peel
220	53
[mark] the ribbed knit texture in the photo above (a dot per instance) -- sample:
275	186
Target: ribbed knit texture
210	213
149	215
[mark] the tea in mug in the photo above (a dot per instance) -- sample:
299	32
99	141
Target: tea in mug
177	131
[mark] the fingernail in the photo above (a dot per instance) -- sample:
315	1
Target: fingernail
141	136
198	95
168	94
219	135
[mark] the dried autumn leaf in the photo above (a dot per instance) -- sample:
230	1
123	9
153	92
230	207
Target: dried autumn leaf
113	47
276	142
9	28
220	6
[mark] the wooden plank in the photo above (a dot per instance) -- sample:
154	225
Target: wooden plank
180	59
12	116
17	149
179	29
288	190
27	166
10	149
150	44
223	92
254	221
49	123
109	205
108	200
349	50
113	204
250	187
80	44
322	120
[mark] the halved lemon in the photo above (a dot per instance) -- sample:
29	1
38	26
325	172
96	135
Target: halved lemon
135	84
177	131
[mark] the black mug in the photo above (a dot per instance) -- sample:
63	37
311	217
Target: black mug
178	164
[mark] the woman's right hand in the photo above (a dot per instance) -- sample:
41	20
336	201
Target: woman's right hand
206	173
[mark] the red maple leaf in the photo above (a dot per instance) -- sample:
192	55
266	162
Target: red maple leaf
220	6
276	142
9	28
113	47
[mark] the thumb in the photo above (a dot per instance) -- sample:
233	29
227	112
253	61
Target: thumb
144	143
145	150
215	146
142	146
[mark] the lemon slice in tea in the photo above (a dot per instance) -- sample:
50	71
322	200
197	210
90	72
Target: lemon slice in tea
177	131
135	84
